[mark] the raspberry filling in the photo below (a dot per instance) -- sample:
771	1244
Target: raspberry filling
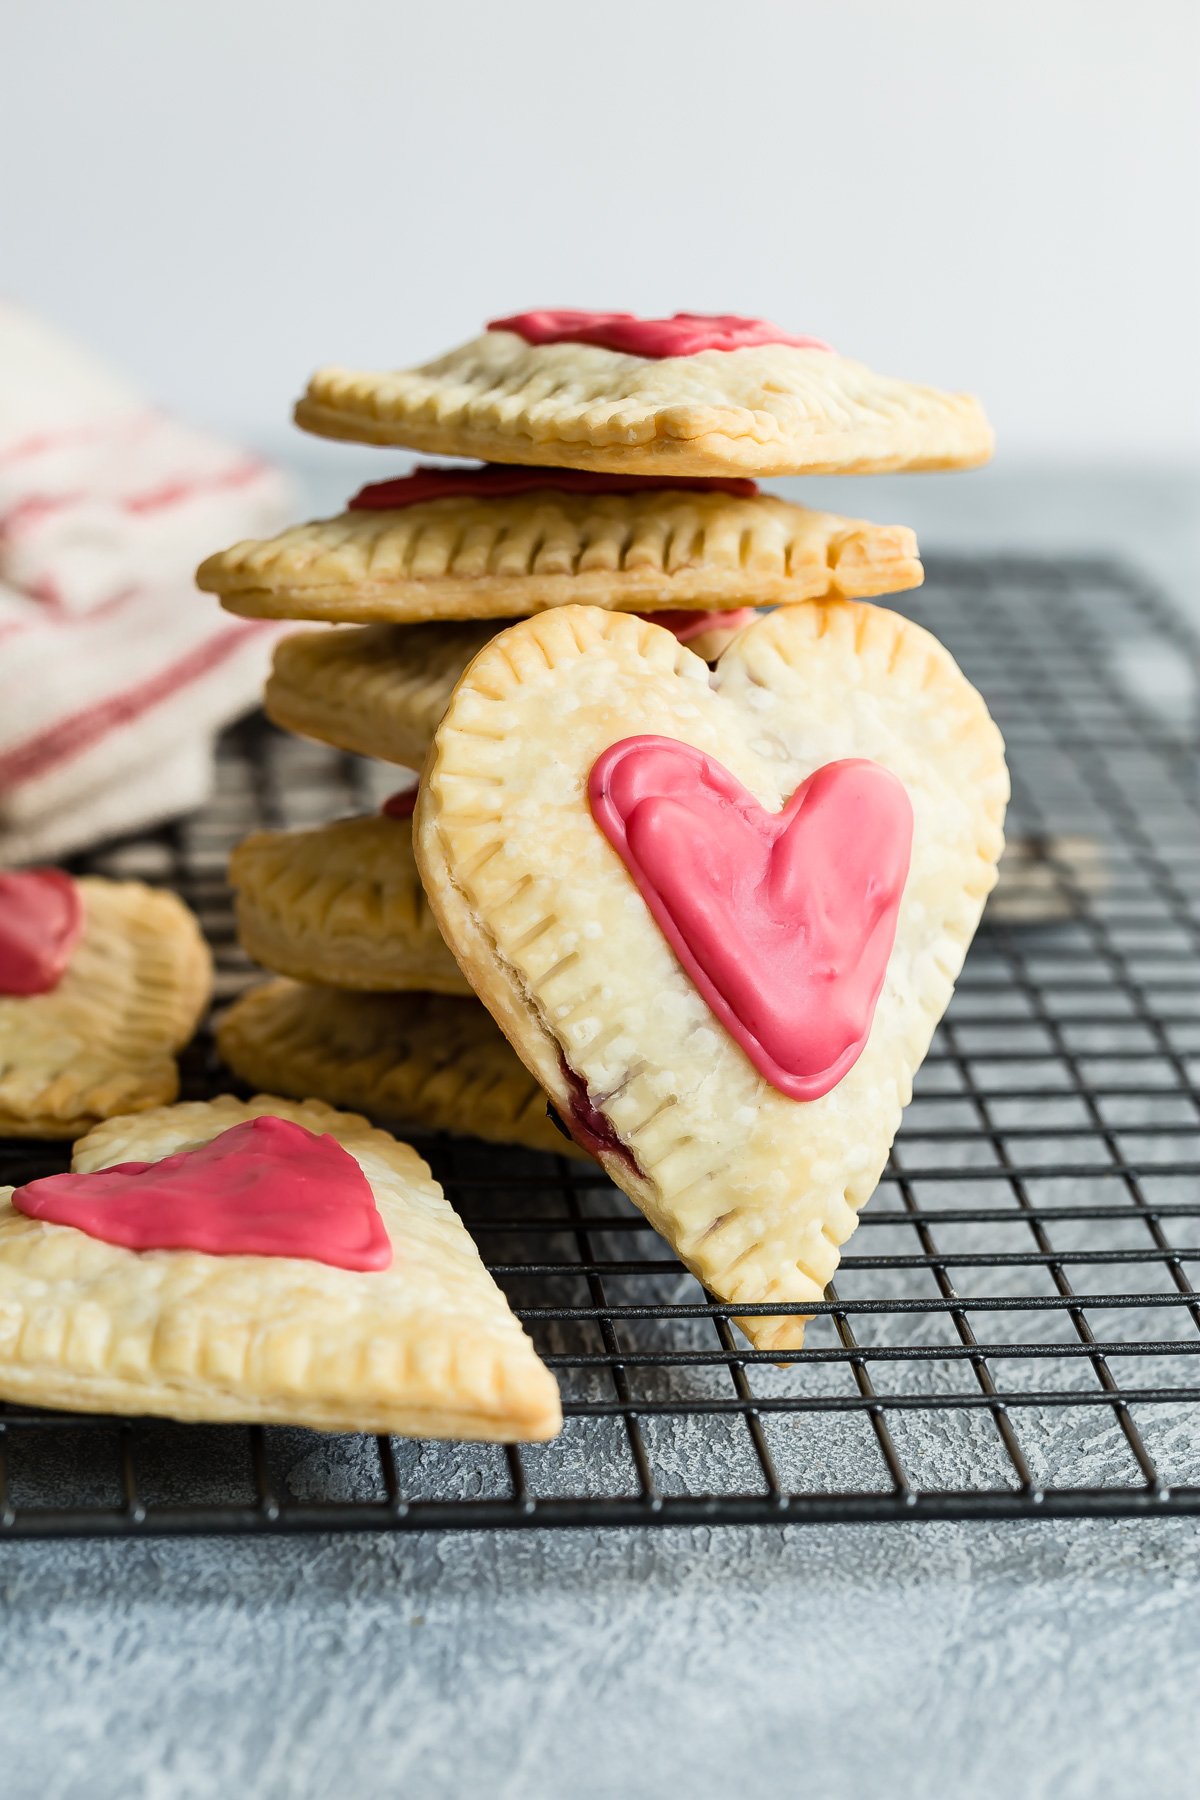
499	481
588	1125
400	805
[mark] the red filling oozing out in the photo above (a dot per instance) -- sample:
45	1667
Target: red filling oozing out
683	334
401	805
41	918
498	481
266	1187
588	1126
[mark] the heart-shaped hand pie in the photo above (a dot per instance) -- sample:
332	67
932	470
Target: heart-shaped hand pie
620	1001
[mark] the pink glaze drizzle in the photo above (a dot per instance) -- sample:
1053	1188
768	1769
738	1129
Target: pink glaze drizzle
266	1187
784	921
41	918
688	625
498	481
401	805
683	334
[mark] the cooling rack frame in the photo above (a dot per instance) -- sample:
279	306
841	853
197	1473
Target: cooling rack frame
1016	1357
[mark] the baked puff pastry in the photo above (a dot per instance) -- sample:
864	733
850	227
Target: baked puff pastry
425	1347
476	557
767	409
341	904
380	690
562	933
102	1040
376	690
429	1062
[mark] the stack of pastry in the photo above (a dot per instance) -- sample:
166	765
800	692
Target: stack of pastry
418	575
701	837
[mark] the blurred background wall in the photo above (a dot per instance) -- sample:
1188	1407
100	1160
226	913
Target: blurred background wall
1000	196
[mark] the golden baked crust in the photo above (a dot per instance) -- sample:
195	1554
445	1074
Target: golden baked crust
429	1062
754	1191
774	410
341	904
380	690
377	690
504	558
103	1040
425	1348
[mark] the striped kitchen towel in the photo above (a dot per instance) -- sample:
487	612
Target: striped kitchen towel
114	673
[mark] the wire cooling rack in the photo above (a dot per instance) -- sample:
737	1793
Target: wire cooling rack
1013	1329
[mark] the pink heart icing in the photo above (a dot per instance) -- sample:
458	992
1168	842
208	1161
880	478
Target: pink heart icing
784	921
266	1187
500	481
683	334
41	919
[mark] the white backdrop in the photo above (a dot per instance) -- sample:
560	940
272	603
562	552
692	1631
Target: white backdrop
996	195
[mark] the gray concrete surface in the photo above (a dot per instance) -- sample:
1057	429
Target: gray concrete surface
939	1661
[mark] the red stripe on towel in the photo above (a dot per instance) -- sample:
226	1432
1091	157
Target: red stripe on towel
81	730
44	443
171	493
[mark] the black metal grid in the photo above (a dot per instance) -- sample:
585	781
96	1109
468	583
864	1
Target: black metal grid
1014	1330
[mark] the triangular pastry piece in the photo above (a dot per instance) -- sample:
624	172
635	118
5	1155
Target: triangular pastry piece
501	558
764	408
341	904
102	1039
423	1347
681	941
380	690
429	1062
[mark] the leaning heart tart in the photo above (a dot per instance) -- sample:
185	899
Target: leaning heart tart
693	395
260	1261
101	982
719	916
